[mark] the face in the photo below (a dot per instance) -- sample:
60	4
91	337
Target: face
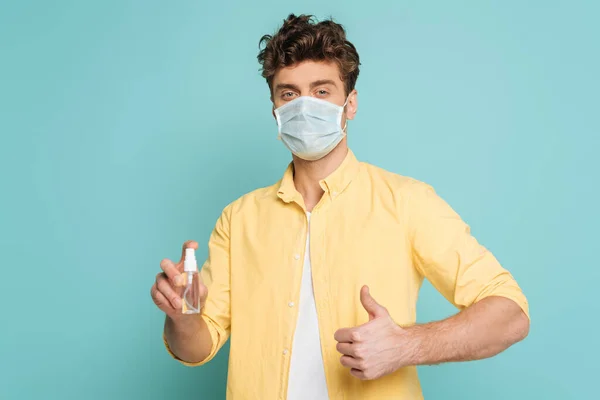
318	79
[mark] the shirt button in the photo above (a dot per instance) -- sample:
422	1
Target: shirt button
285	351
291	304
296	256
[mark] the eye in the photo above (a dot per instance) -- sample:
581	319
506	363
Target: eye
322	93
288	95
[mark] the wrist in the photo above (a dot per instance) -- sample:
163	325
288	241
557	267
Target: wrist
182	321
413	342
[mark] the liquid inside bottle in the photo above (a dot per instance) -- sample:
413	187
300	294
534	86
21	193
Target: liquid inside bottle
190	302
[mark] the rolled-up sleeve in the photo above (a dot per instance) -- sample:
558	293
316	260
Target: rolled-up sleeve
446	253
215	274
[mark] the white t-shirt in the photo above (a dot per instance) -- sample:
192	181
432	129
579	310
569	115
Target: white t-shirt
307	373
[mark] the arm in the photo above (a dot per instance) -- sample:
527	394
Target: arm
381	347
195	339
494	312
188	338
482	330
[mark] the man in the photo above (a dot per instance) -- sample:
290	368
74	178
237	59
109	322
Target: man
316	277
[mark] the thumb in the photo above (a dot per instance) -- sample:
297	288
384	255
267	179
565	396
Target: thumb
374	309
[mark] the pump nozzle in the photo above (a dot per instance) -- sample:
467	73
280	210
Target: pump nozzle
189	264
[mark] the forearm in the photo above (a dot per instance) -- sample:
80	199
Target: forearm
188	338
480	331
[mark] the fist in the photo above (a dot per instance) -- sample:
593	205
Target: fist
376	348
168	287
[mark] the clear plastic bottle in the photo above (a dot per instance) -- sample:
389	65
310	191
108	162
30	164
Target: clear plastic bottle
190	302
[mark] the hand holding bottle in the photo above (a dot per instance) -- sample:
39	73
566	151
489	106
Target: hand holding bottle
173	283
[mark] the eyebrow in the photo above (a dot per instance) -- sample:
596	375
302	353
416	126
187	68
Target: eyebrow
314	84
281	86
322	82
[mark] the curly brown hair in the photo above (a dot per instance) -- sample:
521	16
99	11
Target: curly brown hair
300	38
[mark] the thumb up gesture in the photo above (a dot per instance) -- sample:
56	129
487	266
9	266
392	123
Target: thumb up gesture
376	348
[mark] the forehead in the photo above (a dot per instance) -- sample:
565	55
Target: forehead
306	72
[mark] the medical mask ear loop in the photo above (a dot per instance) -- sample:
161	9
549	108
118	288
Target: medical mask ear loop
277	122
346	102
345	128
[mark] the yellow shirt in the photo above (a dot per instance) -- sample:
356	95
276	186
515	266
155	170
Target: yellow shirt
371	227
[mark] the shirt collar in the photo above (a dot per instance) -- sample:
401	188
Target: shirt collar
334	184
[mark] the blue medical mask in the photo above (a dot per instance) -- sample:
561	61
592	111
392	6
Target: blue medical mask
310	127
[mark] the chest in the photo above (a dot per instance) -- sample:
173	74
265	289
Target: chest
348	248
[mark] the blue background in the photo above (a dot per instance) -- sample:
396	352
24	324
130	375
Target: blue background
127	126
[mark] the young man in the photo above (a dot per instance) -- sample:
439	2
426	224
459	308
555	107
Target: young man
316	277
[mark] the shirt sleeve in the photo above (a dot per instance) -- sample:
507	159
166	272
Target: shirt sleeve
215	274
446	253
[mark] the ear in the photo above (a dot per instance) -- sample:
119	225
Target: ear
352	106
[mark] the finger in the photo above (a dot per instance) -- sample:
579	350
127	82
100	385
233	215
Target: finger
180	280
374	309
188	244
350	362
346	349
358	374
170	270
159	299
347	335
163	285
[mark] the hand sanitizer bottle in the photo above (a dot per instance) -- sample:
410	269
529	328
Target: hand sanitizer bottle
191	296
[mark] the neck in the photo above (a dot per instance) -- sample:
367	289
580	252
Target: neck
307	174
